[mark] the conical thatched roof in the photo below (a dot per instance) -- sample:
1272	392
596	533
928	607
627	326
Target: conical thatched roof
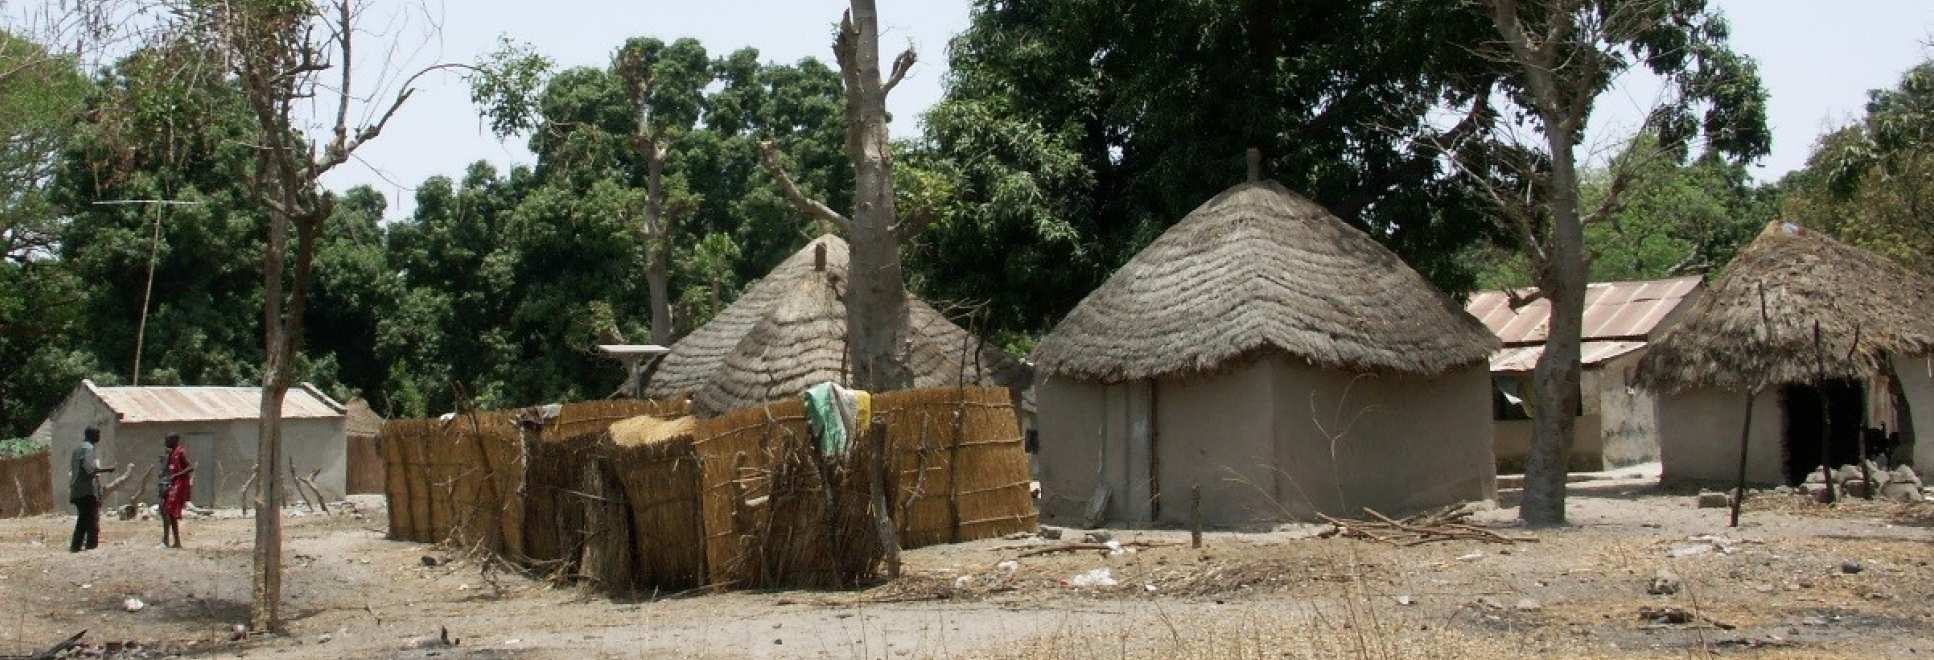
361	419
1722	342
1257	268
788	332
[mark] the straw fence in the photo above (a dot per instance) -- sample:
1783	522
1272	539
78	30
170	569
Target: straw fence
467	480
661	502
26	487
363	472
956	472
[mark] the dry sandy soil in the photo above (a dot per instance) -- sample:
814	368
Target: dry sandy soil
1777	585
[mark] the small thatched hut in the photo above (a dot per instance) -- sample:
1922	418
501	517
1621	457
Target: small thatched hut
788	332
1754	331
1277	358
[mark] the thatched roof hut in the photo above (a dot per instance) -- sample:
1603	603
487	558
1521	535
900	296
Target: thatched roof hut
1276	358
1806	277
1753	332
788	332
1258	268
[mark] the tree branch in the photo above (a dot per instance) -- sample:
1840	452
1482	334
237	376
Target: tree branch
901	65
769	156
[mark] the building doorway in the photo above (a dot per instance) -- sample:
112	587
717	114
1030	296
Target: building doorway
1836	408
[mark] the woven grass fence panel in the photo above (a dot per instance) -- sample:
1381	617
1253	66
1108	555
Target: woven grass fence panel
464	479
26	485
957	473
960	469
363	471
656	463
766	504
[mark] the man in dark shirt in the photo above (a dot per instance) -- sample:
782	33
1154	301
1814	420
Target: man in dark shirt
85	491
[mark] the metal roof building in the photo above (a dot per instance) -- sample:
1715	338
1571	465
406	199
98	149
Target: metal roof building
1616	425
219	425
1619	318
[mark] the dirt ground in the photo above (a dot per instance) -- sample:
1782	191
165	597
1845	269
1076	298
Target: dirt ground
1780	586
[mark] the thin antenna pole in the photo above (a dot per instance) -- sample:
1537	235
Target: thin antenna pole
154	251
147	295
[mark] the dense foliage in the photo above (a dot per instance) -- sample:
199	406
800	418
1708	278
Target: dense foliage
1872	182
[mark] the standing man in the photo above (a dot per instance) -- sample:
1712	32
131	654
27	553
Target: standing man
85	491
177	483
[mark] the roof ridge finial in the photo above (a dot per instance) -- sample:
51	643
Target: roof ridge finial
1255	164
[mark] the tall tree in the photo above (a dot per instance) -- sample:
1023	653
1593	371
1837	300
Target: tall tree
876	296
1556	57
667	141
649	98
284	55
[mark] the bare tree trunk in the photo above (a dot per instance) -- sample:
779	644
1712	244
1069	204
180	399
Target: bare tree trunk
876	297
1562	280
657	239
265	615
876	300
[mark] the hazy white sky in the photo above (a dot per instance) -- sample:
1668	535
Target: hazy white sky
1818	60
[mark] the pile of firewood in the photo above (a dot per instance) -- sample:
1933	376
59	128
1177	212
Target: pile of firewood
1448	524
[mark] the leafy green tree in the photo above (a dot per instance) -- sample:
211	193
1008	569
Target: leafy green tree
134	165
1076	131
41	99
1553	58
445	340
1674	219
1872	183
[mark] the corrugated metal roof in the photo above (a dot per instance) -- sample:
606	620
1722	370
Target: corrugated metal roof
1525	358
144	405
1613	310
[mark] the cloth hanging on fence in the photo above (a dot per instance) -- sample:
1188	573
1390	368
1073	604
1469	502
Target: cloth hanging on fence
836	414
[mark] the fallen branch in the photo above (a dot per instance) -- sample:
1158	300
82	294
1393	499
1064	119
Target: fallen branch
296	481
56	650
1077	547
310	481
1432	527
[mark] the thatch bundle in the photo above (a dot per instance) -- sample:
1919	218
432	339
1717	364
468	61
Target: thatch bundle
1261	268
788	332
1867	308
26	488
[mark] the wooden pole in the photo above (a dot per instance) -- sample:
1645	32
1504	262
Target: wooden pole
1745	435
882	520
147	295
1195	516
953	473
1826	415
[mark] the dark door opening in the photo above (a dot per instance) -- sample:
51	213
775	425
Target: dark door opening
1800	409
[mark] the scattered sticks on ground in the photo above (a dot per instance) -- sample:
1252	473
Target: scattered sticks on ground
1441	525
1101	547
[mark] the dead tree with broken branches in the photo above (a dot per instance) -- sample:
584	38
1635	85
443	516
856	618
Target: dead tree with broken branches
876	299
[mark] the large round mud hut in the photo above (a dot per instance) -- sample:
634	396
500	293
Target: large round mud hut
1754	331
1280	360
787	332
